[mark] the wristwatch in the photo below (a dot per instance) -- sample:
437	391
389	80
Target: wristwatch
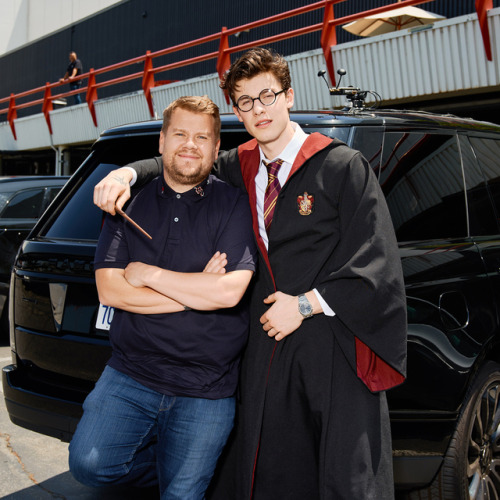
305	307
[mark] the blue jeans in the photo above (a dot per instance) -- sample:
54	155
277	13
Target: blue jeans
74	86
130	434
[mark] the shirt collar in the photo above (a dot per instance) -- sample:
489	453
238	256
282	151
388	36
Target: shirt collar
292	149
196	193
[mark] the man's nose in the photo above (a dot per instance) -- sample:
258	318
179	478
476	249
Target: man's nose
258	107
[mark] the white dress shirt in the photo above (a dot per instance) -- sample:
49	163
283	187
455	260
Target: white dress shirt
288	156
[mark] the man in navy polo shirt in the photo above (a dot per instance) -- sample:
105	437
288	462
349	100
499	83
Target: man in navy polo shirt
164	405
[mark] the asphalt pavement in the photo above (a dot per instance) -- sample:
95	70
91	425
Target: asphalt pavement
35	467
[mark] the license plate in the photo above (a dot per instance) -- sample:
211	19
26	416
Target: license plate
104	317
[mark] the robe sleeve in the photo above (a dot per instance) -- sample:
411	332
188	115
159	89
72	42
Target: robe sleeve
146	170
363	282
227	168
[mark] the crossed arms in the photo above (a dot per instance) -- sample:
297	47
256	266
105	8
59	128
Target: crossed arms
145	289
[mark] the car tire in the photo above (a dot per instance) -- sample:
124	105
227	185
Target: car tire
471	466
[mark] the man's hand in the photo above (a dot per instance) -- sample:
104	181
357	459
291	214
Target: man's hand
283	317
113	191
217	264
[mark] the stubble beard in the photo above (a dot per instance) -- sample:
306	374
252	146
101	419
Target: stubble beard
178	174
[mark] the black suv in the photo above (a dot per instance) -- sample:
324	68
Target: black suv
441	178
22	201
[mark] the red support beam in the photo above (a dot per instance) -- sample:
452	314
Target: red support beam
91	96
482	8
328	40
47	106
223	55
224	59
148	81
12	115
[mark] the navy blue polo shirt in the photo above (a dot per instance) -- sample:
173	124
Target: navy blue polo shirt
189	353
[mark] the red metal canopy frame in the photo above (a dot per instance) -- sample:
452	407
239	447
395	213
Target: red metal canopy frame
223	55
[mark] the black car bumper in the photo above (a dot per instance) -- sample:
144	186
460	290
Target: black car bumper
37	411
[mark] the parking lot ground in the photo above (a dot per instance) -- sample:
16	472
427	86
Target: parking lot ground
35	467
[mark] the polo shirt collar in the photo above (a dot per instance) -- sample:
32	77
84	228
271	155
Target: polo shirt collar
196	193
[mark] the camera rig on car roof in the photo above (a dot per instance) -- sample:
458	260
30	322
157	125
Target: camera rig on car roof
354	95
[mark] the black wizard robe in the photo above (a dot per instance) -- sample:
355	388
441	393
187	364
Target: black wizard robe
312	419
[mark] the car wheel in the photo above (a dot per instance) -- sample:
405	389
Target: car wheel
471	466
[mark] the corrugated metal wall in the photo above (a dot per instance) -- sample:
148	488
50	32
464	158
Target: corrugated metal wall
444	60
132	27
448	58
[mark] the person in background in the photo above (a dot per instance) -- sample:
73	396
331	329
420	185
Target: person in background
74	70
164	406
328	307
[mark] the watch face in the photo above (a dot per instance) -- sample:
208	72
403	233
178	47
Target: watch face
305	307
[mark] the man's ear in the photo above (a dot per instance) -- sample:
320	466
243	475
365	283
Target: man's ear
290	97
217	147
236	111
162	139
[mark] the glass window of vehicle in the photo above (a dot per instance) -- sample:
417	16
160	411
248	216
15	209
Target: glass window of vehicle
369	140
341	133
81	219
421	176
482	217
26	204
488	153
77	217
4	198
51	193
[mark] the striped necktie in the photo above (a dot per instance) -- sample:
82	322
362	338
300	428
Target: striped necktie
272	191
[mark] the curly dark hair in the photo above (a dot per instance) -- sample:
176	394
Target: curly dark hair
253	63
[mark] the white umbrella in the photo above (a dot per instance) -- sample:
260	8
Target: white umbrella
391	20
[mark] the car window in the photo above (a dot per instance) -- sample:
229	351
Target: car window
487	152
4	198
369	140
51	194
482	217
230	139
421	176
81	219
76	216
26	204
341	133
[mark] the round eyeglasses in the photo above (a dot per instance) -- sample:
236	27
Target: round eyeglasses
266	97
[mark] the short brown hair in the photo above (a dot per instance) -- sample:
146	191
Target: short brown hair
253	63
195	104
